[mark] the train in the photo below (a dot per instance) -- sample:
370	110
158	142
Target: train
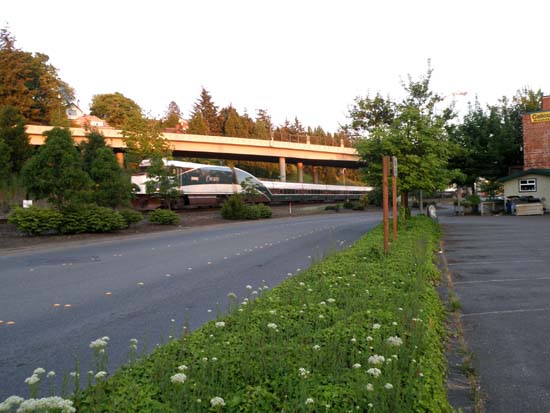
201	185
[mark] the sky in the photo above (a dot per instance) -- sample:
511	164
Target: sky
295	58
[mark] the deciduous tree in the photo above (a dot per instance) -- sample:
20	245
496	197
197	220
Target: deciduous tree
115	108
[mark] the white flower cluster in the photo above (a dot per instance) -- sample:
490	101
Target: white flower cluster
220	324
272	325
331	300
303	372
394	341
183	367
388	386
309	400
376	359
373	371
32	380
100	343
217	401
178	378
46	403
376	326
100	375
10	402
356	366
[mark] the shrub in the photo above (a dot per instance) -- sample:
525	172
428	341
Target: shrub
264	211
234	207
131	216
164	217
91	218
35	220
335	208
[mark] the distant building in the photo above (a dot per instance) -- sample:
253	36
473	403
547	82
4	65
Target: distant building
73	111
181	127
90	121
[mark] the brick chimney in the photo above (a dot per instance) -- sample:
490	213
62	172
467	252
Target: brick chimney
546	103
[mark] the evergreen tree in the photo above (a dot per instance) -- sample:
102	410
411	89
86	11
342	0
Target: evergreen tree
262	126
112	187
205	106
115	108
5	165
12	132
172	116
89	148
197	125
55	172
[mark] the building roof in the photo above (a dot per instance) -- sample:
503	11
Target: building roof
544	172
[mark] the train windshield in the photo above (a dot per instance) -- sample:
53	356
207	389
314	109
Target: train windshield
207	175
243	176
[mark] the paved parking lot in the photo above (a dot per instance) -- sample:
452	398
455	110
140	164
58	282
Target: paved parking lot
501	275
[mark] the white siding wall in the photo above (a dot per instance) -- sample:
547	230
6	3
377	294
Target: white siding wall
511	188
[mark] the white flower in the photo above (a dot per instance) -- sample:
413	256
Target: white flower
388	386
183	367
331	300
205	359
321	316
394	341
133	341
303	372
10	402
45	404
217	401
99	344
302	284
50	374
178	378
376	359
316	347
369	338
220	324
370	387
373	371
39	371
272	325
32	380
394	323
232	295
353	340
100	374
74	374
376	326
105	338
322	303
249	287
214	359
309	400
356	366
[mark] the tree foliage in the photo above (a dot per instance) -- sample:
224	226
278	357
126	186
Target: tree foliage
55	172
144	139
413	130
172	116
209	113
161	181
31	84
115	108
12	132
112	187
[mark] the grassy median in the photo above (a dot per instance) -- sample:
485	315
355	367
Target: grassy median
359	331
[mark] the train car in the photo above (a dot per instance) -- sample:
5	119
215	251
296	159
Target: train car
210	185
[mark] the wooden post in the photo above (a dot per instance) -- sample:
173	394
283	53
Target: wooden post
394	196
385	173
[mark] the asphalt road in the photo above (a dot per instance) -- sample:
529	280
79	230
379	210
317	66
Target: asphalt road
501	275
59	299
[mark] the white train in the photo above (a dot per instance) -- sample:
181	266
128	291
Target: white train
210	185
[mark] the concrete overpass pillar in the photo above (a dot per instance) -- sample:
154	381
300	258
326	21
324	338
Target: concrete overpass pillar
301	172
120	159
315	174
282	169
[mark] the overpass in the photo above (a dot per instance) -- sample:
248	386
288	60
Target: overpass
223	147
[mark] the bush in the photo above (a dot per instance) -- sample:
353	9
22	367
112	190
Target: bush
131	216
35	220
234	208
335	208
164	217
91	218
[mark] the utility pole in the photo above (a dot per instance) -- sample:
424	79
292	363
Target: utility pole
394	195
385	173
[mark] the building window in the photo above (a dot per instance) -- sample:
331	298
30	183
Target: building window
528	185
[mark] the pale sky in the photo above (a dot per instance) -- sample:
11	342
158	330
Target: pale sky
308	59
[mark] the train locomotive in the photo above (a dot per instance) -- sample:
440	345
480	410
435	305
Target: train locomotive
210	185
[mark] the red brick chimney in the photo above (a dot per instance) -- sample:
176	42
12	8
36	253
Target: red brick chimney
536	138
546	103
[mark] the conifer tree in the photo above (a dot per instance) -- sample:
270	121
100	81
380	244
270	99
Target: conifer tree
197	125
172	116
205	106
12	132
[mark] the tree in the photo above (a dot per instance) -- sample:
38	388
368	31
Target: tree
205	106
233	124
172	116
55	172
5	164
197	125
12	132
112	187
144	139
263	125
417	135
115	108
161	181
89	148
31	84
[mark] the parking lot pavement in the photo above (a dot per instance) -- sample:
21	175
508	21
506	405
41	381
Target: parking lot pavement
501	273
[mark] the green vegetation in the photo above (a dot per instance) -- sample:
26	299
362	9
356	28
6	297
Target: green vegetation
163	217
115	108
359	331
236	208
35	220
131	216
